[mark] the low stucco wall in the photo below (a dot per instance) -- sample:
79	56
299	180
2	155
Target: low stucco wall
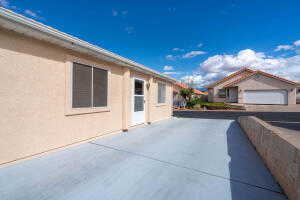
279	150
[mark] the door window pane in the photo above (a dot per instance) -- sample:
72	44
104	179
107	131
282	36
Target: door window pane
138	87
82	86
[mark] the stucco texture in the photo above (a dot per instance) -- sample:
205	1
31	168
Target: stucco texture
256	82
34	99
261	82
213	92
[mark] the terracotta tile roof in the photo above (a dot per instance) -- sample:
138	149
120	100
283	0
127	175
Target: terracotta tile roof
199	92
184	86
230	76
263	73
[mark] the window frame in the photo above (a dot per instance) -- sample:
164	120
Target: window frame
92	85
220	94
164	83
69	110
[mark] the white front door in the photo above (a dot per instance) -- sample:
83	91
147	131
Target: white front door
138	111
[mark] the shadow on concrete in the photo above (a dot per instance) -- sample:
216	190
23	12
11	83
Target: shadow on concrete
247	169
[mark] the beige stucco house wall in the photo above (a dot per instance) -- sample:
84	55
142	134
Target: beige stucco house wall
261	82
35	98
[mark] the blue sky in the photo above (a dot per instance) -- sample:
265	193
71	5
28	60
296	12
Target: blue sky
198	41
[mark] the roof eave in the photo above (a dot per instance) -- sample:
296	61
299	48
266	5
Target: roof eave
18	23
212	85
235	83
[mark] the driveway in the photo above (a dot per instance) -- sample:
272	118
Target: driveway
184	159
272	108
288	120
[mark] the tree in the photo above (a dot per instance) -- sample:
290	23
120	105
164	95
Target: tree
187	94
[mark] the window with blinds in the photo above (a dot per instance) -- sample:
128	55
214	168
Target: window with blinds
89	86
161	91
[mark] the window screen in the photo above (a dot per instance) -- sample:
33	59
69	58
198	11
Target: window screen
99	87
82	86
161	93
89	86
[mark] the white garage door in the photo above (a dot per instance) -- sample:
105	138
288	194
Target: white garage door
265	96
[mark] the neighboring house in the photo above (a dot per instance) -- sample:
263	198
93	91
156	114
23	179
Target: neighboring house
253	87
57	90
178	100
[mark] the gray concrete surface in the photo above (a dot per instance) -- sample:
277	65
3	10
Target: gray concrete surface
174	159
288	120
273	108
289	126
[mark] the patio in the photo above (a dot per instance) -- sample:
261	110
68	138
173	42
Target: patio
180	158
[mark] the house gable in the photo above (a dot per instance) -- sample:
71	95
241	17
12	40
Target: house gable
259	81
232	77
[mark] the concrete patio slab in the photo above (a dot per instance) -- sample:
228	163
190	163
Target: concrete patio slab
175	159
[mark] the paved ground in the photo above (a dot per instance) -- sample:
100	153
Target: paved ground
270	108
175	159
288	120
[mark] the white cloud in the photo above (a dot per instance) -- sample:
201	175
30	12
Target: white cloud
297	43
172	73
30	13
170	57
200	80
168	68
119	13
200	45
193	54
297	51
284	47
4	3
129	29
177	49
115	13
172	9
7	4
124	12
218	66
